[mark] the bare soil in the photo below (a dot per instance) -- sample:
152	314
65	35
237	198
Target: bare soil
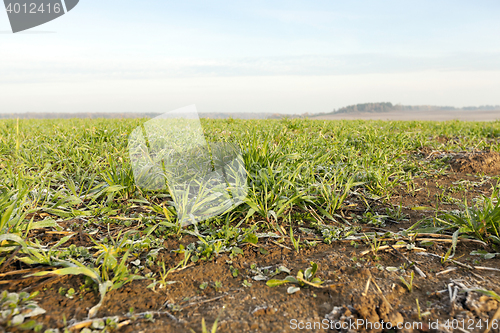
487	162
260	308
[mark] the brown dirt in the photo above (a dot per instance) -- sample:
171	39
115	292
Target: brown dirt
486	162
259	308
264	309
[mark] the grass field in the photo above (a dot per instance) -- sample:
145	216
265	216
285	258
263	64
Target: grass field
344	220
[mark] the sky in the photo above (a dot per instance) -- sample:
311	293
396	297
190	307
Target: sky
252	56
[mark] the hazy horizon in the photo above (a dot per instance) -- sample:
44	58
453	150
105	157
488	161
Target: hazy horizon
425	108
261	57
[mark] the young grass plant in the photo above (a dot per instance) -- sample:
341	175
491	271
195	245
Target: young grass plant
15	308
481	221
489	293
374	243
11	210
302	279
164	273
109	275
295	242
76	268
409	285
330	193
214	326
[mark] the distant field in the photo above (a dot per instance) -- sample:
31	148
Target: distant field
393	221
418	115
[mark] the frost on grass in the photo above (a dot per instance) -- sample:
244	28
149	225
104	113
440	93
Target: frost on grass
170	153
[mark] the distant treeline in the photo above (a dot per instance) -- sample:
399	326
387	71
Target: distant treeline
387	107
358	108
367	107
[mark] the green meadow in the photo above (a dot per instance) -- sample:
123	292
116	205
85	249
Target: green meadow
69	205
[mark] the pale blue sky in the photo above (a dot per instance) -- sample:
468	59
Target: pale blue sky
258	56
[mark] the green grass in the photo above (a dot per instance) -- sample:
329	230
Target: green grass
481	220
53	171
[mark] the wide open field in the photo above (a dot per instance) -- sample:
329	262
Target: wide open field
438	115
346	223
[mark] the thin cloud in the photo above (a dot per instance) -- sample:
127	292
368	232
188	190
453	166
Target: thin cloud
63	68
